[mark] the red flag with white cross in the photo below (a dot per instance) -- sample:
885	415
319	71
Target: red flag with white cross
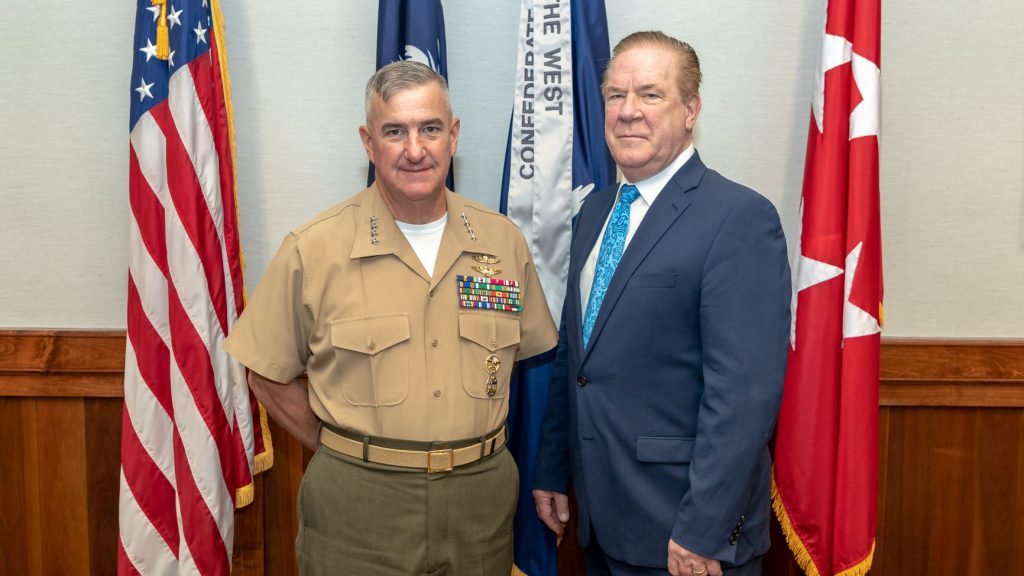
824	488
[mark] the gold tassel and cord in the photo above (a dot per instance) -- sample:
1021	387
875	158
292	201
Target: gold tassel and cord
163	43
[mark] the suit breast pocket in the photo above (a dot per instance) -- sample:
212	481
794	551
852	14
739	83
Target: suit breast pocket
652	281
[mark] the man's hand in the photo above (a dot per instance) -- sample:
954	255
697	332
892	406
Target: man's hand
552	509
682	562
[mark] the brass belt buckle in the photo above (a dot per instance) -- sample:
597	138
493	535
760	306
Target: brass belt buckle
445	459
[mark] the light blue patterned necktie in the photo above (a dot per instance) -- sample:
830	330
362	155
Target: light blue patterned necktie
608	257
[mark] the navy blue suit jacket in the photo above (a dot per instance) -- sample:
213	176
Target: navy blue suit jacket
663	421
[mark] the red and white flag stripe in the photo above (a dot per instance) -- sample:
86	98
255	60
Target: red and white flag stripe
191	438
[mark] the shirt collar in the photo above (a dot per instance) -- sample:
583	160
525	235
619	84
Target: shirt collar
651	187
385	237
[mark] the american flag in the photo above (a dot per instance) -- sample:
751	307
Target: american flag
193	436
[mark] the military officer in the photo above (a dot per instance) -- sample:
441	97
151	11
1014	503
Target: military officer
406	305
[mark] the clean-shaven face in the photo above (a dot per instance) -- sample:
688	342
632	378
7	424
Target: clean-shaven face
411	140
647	122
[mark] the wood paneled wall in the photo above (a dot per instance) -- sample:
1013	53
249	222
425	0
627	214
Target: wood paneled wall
951	455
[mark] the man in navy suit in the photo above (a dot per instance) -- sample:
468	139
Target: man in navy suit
672	347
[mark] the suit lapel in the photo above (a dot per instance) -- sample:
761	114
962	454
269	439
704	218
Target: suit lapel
670	204
588	230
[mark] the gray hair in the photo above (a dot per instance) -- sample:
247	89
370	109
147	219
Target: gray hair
402	75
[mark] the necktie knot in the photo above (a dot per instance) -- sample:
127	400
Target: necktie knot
629	194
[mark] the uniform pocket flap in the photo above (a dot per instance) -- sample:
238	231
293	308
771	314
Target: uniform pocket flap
490	330
370	334
667	449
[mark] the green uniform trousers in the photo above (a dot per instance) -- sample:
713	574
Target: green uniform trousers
365	519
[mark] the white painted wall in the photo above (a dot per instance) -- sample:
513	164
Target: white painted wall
952	137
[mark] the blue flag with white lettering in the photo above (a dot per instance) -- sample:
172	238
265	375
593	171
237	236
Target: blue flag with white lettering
533	160
412	30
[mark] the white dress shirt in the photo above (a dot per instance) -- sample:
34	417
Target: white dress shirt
649	190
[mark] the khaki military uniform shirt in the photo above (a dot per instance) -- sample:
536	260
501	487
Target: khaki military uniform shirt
388	349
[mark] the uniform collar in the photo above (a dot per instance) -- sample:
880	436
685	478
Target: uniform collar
468	235
378	234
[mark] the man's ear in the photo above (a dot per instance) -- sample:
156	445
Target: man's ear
692	110
455	134
364	135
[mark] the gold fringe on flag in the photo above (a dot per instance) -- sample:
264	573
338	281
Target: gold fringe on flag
800	553
245	495
861	568
263	462
222	55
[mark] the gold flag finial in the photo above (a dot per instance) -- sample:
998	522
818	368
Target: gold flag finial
163	44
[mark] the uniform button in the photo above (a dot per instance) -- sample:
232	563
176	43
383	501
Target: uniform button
371	345
437	393
434	343
581	381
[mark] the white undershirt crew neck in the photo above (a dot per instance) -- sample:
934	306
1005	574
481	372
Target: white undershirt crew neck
425	239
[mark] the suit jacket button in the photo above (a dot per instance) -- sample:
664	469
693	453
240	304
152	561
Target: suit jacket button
581	381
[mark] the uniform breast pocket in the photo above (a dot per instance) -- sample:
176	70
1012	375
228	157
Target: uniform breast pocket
373	358
487	345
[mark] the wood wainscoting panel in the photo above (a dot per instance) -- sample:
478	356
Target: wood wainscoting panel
953	495
63	495
19	511
103	477
951	456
